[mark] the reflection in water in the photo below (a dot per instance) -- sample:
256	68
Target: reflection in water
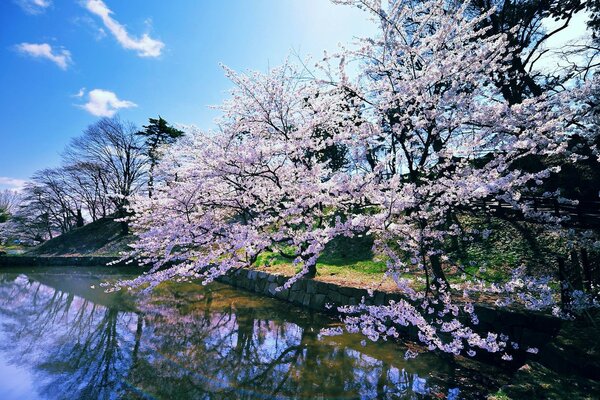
189	341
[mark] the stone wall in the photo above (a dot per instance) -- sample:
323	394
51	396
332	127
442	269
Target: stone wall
529	329
304	292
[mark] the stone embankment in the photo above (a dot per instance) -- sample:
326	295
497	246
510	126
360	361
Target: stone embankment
528	329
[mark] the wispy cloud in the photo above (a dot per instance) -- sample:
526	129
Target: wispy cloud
144	46
33	6
11	183
104	103
90	25
80	93
60	57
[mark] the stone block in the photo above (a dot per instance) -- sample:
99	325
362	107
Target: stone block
283	294
271	288
392	297
317	301
299	285
379	298
335	297
322	287
296	297
281	280
306	300
349	291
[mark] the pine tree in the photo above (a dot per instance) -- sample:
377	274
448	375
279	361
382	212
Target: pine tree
157	133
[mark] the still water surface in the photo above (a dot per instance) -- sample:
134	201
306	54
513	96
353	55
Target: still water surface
62	337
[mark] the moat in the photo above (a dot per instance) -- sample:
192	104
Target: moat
63	337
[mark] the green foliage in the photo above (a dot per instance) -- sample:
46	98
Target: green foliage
334	154
499	395
157	133
510	244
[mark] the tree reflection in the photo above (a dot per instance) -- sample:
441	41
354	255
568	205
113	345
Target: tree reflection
187	341
75	346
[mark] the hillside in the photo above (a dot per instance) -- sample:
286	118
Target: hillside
99	238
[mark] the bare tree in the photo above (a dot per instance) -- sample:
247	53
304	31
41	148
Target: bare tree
88	182
9	203
115	152
9	200
36	219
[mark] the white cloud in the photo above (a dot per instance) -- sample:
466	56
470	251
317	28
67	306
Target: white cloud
34	6
11	183
80	93
145	46
104	103
61	57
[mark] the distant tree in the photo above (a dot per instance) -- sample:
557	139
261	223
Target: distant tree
114	149
157	134
43	212
46	198
9	200
88	181
9	203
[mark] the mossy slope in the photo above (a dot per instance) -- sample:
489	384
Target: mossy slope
103	237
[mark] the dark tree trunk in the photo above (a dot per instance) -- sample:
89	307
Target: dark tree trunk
79	219
439	278
312	271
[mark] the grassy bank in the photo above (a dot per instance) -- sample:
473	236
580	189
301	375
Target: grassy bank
103	237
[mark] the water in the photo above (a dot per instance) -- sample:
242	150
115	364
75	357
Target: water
62	337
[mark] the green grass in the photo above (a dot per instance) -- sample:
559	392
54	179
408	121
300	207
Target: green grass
12	249
499	395
340	254
509	245
347	261
351	260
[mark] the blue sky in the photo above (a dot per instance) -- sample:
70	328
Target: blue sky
51	49
65	63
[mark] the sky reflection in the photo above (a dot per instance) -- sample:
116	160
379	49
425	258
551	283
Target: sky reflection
61	339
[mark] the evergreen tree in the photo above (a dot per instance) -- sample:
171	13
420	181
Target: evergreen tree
157	133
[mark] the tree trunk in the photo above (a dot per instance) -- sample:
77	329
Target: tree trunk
439	278
312	271
79	219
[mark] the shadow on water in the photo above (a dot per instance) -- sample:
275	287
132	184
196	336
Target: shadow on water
70	340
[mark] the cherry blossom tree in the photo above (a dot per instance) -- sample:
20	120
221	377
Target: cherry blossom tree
262	181
394	138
